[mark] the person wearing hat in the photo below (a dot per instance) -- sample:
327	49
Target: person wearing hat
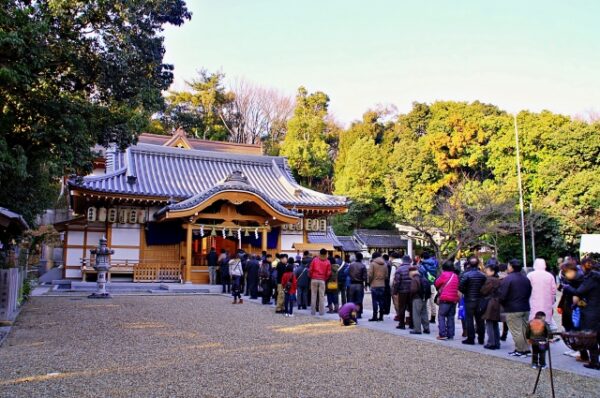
401	289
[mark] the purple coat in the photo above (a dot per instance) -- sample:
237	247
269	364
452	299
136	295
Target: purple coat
346	310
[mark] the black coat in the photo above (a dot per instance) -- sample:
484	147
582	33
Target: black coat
514	293
212	258
471	283
252	267
589	290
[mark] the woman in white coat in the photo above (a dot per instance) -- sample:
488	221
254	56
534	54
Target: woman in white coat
543	292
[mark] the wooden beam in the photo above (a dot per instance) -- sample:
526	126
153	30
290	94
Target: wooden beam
263	241
188	255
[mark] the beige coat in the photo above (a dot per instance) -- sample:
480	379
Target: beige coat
378	273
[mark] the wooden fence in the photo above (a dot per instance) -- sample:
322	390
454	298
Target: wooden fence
147	271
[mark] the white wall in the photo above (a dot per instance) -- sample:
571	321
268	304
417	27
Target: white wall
73	273
75	238
288	240
125	235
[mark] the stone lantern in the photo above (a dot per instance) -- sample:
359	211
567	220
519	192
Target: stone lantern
101	265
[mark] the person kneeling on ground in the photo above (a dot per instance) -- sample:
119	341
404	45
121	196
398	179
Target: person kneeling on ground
537	334
347	313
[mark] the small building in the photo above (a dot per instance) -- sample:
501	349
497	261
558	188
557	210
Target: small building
164	202
383	241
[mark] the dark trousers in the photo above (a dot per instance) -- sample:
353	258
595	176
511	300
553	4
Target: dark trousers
344	294
492	329
252	288
236	291
226	281
404	304
538	354
302	295
474	322
356	294
377	296
288	303
446	314
387	300
267	291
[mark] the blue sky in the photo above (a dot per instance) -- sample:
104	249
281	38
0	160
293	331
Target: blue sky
516	54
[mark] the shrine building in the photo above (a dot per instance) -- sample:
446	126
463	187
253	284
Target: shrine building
164	202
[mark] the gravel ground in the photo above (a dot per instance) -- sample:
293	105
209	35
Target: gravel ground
202	346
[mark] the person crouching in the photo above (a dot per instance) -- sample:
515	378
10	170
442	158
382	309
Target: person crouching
347	313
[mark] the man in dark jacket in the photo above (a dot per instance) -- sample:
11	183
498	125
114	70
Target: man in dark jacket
303	282
252	267
470	286
514	294
428	268
357	272
401	288
589	290
211	259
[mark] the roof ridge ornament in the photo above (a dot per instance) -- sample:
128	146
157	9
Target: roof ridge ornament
237	176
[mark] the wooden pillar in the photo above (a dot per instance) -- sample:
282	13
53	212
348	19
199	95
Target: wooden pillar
263	241
188	255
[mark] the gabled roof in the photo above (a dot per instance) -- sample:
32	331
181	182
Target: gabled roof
195	143
158	171
380	239
349	244
10	219
325	237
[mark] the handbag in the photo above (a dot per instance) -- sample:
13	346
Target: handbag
332	285
438	294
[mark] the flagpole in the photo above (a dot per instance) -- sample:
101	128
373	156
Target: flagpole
520	194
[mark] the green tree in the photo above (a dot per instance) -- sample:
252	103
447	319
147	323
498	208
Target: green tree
305	143
74	74
206	111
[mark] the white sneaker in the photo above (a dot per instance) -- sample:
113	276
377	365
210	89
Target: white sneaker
291	315
286	314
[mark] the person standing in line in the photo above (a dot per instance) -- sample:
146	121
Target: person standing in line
357	273
319	272
491	312
265	279
378	274
224	266
447	285
514	294
401	289
387	293
395	262
543	292
212	259
471	282
289	283
306	260
301	272
253	266
280	269
343	280
332	289
420	292
428	268
235	268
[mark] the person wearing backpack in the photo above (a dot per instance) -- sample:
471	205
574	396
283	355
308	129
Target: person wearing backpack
289	284
264	275
301	273
428	267
471	282
420	292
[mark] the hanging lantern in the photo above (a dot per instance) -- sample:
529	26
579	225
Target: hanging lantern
213	232
230	232
256	233
246	233
201	230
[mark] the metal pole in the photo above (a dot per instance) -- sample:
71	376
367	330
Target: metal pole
520	194
531	229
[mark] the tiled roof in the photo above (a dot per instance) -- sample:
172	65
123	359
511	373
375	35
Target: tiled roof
9	217
349	244
206	145
374	238
324	237
166	172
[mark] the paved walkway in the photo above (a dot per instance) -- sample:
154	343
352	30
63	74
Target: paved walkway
201	345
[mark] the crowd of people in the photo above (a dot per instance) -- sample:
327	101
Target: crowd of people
489	299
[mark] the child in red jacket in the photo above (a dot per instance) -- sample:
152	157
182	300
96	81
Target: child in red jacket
289	285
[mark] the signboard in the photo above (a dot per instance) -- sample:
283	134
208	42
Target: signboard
121	215
308	224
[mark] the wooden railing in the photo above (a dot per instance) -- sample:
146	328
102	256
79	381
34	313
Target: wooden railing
146	271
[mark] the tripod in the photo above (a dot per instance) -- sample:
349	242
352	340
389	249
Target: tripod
537	380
